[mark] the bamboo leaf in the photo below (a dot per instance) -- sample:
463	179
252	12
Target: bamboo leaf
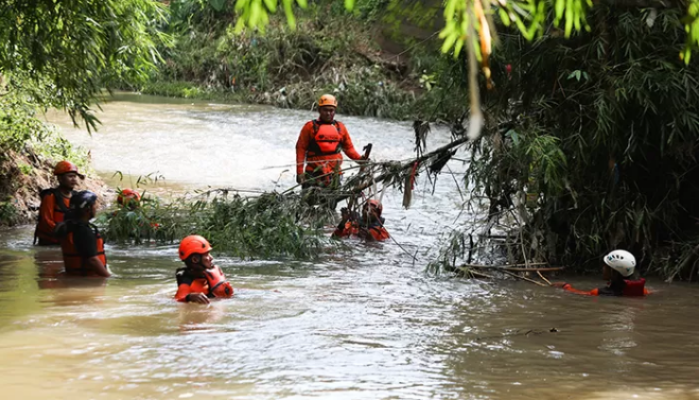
349	5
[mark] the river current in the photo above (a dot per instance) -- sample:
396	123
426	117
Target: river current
367	324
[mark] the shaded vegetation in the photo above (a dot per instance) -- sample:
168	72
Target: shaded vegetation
592	145
62	55
331	51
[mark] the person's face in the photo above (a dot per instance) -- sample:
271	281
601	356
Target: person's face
203	261
68	180
326	113
131	202
607	275
370	212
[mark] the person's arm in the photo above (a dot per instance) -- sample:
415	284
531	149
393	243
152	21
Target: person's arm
186	295
346	143
86	246
94	264
346	225
379	233
302	146
571	289
183	290
48	204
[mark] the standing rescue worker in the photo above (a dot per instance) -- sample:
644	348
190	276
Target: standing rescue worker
320	144
200	280
81	243
55	203
368	226
620	268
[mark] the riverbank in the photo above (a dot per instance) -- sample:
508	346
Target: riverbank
27	171
372	72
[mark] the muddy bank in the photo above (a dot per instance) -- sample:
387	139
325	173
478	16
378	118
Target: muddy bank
23	176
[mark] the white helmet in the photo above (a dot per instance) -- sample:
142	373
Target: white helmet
621	261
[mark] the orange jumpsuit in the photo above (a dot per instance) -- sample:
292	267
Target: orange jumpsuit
629	288
213	285
373	232
320	145
51	213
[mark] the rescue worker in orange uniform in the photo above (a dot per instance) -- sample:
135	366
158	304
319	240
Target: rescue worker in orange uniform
81	243
55	203
200	280
129	198
320	144
620	268
368	226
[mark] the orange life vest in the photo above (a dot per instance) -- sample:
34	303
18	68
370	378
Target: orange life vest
323	155
326	139
377	232
73	262
218	286
635	288
60	208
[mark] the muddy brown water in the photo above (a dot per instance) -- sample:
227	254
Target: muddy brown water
369	324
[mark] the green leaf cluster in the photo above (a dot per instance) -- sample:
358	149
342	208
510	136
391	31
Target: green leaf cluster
592	142
70	51
267	226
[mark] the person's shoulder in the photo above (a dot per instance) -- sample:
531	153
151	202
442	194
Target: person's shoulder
341	126
80	228
308	128
183	276
47	193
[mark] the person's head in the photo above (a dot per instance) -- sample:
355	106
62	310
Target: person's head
621	262
83	205
372	210
194	251
67	174
326	108
129	198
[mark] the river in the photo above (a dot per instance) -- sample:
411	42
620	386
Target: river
368	325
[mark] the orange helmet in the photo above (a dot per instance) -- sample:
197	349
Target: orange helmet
128	196
64	167
377	205
328	100
193	244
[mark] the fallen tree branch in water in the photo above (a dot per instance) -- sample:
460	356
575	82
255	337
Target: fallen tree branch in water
503	265
543	278
439	152
474	273
524	278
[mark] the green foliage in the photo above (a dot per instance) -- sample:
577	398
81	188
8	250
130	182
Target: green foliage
21	130
255	13
691	30
8	212
603	131
290	69
265	226
18	122
67	52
